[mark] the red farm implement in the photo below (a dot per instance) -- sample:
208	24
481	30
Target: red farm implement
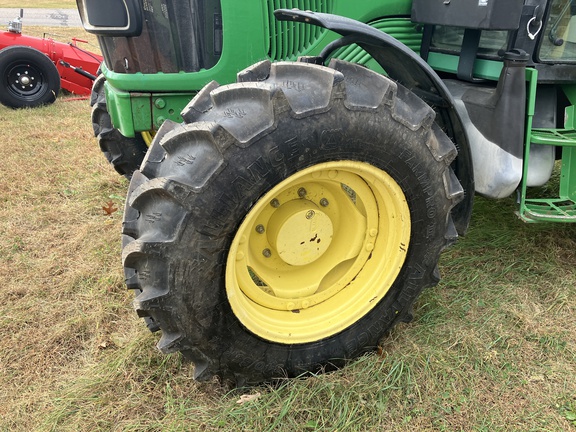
34	69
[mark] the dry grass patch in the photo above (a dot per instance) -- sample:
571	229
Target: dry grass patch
58	250
44	4
493	347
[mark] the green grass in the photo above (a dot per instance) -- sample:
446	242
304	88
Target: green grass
492	348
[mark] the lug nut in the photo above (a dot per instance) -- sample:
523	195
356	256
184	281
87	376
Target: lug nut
260	229
302	192
324	202
275	203
267	253
310	214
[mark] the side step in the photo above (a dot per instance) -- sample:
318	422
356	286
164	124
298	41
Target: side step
563	207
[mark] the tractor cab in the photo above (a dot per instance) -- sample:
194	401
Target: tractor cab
511	68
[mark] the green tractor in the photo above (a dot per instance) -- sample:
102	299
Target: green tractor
298	166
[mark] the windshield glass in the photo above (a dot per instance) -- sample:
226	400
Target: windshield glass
450	39
177	36
559	38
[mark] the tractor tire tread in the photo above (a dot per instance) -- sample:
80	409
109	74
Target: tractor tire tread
217	122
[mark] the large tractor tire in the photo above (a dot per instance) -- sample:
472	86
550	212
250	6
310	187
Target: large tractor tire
28	78
125	154
290	221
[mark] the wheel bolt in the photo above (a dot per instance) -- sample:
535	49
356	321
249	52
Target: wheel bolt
260	229
267	253
310	214
275	203
302	192
324	202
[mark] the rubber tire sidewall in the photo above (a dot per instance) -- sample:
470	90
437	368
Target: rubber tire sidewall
23	54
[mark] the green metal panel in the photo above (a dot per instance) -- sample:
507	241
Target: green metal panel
250	34
168	106
568	169
119	106
403	29
242	48
288	40
570	92
485	69
562	206
141	110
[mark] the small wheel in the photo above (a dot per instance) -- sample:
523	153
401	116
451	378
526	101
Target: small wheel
291	221
29	78
125	154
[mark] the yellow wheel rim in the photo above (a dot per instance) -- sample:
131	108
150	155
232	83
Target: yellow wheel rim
318	252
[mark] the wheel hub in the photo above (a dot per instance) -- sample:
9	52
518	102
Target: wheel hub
300	232
24	80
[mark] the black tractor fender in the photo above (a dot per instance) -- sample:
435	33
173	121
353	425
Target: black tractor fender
407	68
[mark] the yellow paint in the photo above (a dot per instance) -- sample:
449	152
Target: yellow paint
314	263
300	232
148	136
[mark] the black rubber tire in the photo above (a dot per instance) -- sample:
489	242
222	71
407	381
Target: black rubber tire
42	80
201	178
125	154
